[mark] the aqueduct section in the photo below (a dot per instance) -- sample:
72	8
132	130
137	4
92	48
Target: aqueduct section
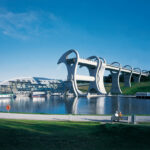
96	67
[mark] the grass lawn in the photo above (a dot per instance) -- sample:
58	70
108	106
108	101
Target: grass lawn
136	87
46	135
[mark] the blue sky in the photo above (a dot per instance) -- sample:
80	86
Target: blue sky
35	33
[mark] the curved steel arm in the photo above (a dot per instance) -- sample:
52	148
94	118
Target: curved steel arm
138	69
93	57
116	63
65	55
125	67
145	71
101	58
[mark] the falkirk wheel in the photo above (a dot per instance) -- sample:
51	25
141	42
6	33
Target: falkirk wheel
96	67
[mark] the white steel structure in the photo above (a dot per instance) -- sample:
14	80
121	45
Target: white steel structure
97	66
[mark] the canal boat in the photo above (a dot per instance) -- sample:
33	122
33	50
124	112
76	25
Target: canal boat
7	96
145	95
56	94
39	94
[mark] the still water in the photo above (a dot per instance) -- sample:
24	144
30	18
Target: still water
57	105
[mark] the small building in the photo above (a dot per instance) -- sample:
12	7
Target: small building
31	84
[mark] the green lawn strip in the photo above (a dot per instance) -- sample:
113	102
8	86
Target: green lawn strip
136	87
144	123
52	135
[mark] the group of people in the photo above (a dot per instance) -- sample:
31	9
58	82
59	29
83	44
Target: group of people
117	116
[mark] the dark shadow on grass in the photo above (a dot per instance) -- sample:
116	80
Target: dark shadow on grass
37	135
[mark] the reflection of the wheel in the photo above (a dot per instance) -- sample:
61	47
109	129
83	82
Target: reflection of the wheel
107	105
100	105
22	98
99	108
75	106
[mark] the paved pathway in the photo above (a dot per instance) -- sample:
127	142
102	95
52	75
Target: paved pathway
55	117
66	117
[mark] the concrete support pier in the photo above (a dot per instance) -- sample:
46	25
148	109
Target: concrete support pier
97	86
71	68
136	77
127	77
115	80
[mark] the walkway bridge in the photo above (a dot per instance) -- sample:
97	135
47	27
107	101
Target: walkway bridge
97	66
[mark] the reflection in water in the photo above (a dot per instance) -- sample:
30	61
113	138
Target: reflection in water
75	106
59	105
4	103
100	105
39	99
22	98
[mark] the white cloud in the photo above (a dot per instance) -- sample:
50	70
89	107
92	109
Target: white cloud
25	25
53	17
